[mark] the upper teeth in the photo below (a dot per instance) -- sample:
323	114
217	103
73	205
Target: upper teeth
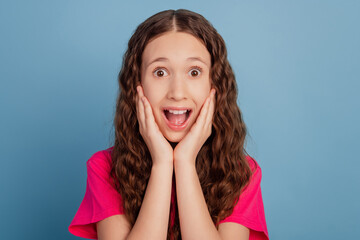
177	111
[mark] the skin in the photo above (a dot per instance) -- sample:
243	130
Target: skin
174	86
189	146
173	151
177	82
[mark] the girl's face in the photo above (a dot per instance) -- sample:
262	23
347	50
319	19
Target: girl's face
175	75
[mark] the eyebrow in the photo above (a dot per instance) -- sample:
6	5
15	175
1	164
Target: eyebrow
162	59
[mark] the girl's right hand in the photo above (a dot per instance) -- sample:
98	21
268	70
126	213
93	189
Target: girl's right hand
160	149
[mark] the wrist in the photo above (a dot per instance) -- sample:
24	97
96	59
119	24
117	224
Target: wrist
184	164
165	165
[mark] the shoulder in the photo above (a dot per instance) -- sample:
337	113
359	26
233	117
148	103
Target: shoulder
99	165
256	173
101	159
101	198
249	210
253	164
98	174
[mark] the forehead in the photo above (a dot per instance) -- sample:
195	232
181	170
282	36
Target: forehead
176	47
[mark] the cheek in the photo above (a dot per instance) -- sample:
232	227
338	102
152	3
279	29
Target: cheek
201	93
148	88
152	93
151	98
201	102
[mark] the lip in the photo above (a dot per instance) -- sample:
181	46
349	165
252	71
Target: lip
177	127
176	108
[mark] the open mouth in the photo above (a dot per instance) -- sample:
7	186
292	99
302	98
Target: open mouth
177	117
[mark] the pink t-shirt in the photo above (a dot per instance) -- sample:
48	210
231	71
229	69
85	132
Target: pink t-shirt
101	200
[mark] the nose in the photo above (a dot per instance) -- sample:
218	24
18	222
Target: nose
177	89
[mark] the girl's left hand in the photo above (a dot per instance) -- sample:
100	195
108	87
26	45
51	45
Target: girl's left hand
188	148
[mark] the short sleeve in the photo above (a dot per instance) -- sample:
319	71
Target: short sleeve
249	210
101	200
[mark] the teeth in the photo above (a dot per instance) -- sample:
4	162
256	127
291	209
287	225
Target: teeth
177	112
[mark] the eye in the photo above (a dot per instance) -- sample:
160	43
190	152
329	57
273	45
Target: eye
195	71
160	72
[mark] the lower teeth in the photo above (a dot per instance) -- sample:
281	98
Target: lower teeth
177	124
176	120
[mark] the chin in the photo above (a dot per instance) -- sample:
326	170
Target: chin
174	137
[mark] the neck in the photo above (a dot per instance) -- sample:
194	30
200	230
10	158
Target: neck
173	144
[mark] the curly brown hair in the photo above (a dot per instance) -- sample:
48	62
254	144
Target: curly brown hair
221	163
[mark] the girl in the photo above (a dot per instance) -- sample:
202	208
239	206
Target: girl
178	168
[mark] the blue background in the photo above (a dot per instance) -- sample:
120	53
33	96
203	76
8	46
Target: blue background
297	68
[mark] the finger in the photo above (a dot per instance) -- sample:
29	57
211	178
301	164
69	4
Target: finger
202	116
141	91
141	113
210	114
137	102
149	116
148	113
147	106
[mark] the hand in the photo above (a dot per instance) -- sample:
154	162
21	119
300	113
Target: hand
160	149
188	148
